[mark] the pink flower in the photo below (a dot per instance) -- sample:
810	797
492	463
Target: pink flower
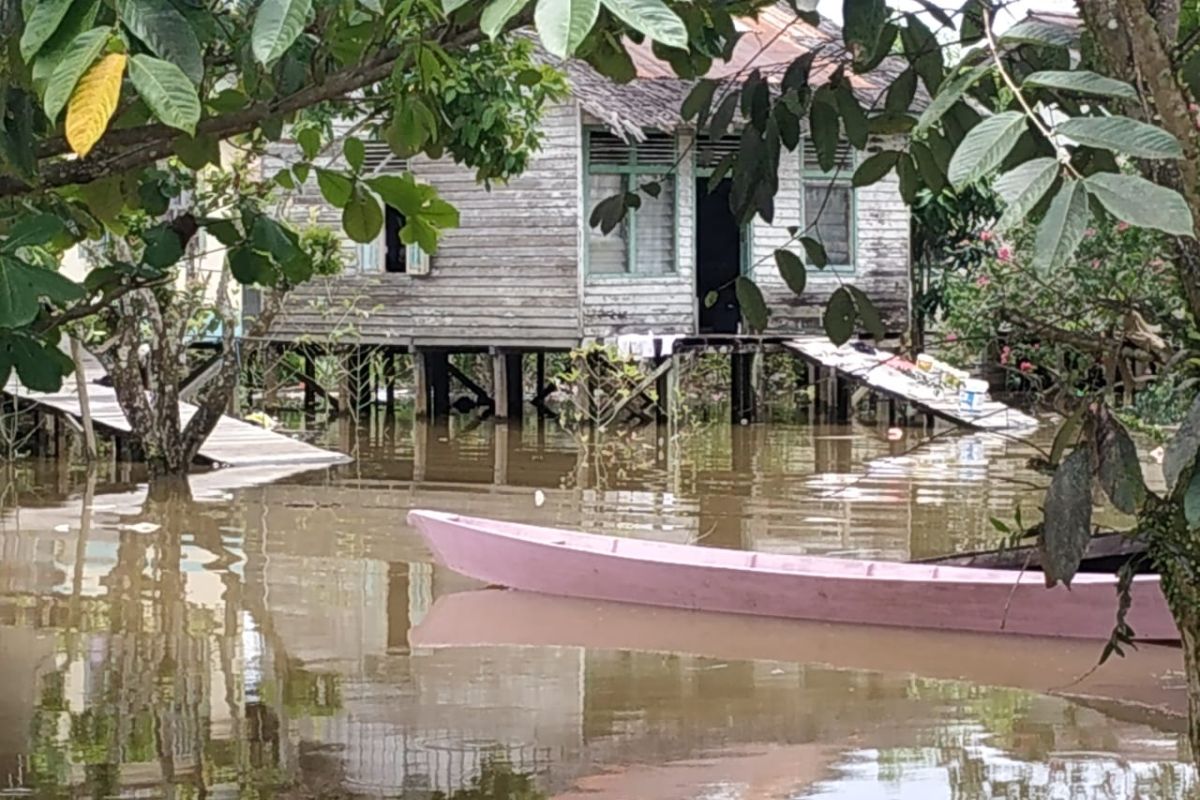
1089	233
1122	226
1195	109
1004	253
1095	263
1005	354
982	280
952	337
986	236
1156	262
1026	367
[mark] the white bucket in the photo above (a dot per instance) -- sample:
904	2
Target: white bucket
974	393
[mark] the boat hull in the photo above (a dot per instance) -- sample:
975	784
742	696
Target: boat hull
569	564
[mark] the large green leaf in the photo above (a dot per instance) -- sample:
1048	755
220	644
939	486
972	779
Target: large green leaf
1063	226
854	119
839	316
1181	449
823	126
32	230
1191	501
792	270
1119	470
1139	202
42	19
80	54
166	32
40	365
951	92
1022	187
335	187
497	14
403	193
1036	32
867	312
22	286
163	246
652	18
815	252
862	24
752	304
167	91
80	17
985	146
564	24
277	25
251	267
1081	81
1067	525
1122	135
362	217
874	168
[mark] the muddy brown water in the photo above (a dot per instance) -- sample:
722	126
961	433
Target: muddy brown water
286	634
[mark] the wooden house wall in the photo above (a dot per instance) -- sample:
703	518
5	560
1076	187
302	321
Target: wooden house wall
507	276
881	235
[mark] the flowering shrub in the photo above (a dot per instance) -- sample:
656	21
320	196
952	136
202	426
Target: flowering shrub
1063	327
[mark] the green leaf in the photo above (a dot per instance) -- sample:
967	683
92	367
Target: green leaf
927	167
854	119
40	367
862	24
400	192
753	306
362	218
197	152
269	236
355	152
711	298
450	6
251	267
874	168
564	24
1181	449
1062	228
1119	470
167	91
166	33
224	231
22	286
227	101
699	100
902	91
950	93
335	187
910	179
32	230
1122	135
652	18
1191	501
497	14
277	25
815	251
163	247
1067	525
823	127
1135	200
42	19
1036	32
792	270
867	312
723	116
80	55
309	140
1022	188
80	17
984	147
838	319
1081	81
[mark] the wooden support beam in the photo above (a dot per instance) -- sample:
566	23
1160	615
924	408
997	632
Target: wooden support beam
421	392
389	379
502	445
85	405
481	394
309	378
539	390
741	405
272	358
500	394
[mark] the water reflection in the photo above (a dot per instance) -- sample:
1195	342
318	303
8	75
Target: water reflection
262	635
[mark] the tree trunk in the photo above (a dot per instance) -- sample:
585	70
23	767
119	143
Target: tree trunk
1191	660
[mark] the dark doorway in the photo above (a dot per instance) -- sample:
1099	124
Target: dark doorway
718	257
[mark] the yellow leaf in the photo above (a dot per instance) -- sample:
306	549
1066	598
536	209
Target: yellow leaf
93	102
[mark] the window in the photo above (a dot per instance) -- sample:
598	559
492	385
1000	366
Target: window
395	257
644	242
828	201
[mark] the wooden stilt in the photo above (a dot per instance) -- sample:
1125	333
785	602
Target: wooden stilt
437	371
420	386
500	392
389	377
514	365
741	388
540	390
85	405
310	380
501	445
273	356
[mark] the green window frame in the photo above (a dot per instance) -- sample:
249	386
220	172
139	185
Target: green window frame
810	173
633	174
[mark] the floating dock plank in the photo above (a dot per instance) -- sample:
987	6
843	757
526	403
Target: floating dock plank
232	443
876	371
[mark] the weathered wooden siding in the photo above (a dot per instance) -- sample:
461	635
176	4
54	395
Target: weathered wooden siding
506	276
882	229
613	305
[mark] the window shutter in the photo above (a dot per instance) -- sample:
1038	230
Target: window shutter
709	152
844	157
416	259
368	255
378	159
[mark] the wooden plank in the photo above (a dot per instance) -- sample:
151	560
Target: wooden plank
873	371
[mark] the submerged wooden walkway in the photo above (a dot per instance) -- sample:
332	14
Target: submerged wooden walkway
876	372
233	443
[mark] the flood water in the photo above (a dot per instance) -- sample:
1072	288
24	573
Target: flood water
287	634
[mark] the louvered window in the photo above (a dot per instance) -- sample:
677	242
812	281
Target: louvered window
828	201
380	159
709	152
644	241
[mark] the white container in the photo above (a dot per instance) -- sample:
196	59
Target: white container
973	394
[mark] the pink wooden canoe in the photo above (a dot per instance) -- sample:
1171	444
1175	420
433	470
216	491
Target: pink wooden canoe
569	564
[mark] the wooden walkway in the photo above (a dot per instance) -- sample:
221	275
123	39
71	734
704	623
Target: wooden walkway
875	371
233	443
